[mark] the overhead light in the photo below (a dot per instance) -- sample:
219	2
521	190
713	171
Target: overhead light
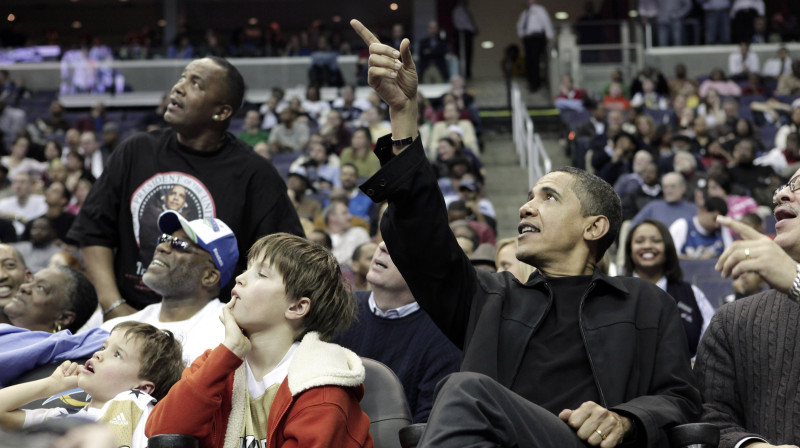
77	24
393	6
487	45
561	15
252	21
337	19
12	17
162	23
633	13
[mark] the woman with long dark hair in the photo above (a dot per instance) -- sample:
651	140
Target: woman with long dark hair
650	254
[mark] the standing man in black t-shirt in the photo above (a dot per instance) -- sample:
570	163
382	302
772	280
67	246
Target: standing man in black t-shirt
218	176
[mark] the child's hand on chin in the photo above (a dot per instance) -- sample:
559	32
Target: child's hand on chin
65	377
235	339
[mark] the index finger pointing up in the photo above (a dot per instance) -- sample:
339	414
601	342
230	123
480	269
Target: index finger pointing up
745	231
366	35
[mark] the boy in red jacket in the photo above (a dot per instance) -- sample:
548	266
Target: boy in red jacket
273	380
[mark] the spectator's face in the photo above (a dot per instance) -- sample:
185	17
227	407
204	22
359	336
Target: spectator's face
114	368
51	151
708	219
197	96
20	148
176	198
88	143
39	302
383	273
22	185
334	119
318	153
348	177
445	151
252	119
54	195
641	160
362	264
506	260
647	249
42	232
451	113
175	272
743	152
340	218
700	126
359	140
650	174
12	274
552	221
673	187
73	138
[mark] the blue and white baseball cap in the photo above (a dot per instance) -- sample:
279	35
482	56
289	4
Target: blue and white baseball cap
213	235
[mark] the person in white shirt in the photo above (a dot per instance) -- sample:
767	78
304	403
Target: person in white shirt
24	205
344	235
536	31
779	65
191	262
93	157
743	62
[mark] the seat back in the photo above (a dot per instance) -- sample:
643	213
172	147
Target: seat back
385	403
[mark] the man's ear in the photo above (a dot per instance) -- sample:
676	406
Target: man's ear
28	276
146	386
595	227
298	309
210	277
223	113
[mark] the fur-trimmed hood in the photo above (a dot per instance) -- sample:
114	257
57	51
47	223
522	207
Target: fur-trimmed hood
317	363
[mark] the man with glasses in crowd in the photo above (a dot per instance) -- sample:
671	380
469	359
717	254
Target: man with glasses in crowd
747	362
192	261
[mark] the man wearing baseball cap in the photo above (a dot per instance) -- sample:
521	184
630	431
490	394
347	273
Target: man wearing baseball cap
192	260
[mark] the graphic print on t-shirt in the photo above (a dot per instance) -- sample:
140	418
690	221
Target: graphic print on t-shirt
166	191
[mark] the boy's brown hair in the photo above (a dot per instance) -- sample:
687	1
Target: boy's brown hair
309	270
161	356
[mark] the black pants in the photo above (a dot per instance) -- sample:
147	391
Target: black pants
466	39
534	47
471	410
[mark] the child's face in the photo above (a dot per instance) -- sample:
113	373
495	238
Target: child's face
112	369
260	296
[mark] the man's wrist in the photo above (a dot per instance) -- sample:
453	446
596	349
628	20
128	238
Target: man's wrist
794	293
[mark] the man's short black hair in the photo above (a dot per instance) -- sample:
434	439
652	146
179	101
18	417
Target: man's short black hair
597	197
234	84
715	204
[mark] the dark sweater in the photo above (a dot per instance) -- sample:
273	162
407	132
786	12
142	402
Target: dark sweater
418	353
748	368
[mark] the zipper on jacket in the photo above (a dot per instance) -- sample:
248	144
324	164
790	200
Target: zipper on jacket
586	347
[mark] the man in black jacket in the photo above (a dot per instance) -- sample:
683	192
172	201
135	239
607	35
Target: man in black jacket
572	357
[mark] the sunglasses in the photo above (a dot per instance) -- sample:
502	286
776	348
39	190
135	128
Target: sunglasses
176	243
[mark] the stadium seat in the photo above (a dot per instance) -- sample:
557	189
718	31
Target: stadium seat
385	403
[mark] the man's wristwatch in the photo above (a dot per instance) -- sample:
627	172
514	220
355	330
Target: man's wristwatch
403	142
794	293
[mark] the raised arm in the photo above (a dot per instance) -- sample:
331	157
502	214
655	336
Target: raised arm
64	378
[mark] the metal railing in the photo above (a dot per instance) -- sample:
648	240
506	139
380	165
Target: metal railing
528	144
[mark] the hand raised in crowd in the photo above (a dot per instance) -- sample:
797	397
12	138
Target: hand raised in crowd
756	252
597	425
392	73
65	377
235	339
393	76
